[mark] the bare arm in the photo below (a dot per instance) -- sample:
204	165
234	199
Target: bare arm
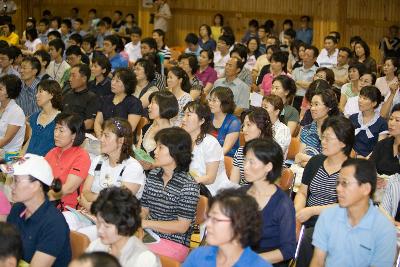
71	185
211	173
98	122
133	120
273	256
41	259
230	141
343	101
179	226
134	188
235	175
207	88
318	259
301	197
10	134
292	126
89	124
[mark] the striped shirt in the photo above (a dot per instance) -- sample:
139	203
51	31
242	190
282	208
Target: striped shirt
178	199
238	162
391	198
27	98
309	136
166	52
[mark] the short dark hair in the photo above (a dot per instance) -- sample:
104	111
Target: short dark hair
12	84
364	173
118	206
11	244
32	32
210	55
359	67
77	38
275	101
203	112
35	63
242	50
46	12
99	258
288	84
79	20
337	35
225	96
119	12
395	108
7	52
44	56
167	103
306	17
261	118
191	38
179	144
332	38
208	28
44	21
161	33
107	20
243	211
73	50
228	39
93	10
317	84
193	62
90	39
330	75
114	40
122	129
394	60
181	74
128	78
267	151
344	131
221	17
355	38
372	93
84	70
365	46
136	30
103	62
75	124
58	44
149	68
253	23
239	63
314	49
289	22
150	42
274	48
329	99
56	34
347	50
67	22
291	33
282	57
53	88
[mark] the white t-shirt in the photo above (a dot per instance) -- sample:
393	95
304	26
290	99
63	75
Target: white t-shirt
133	51
13	115
220	62
133	254
129	171
209	150
31	46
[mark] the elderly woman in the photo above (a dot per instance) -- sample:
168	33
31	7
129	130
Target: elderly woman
233	226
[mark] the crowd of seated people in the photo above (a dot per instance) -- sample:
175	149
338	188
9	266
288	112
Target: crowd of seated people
175	128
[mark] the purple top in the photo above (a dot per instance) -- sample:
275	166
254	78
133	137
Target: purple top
209	75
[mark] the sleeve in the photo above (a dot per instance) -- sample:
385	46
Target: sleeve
187	205
295	74
213	151
244	96
212	77
144	199
385	246
235	158
5	205
321	233
304	134
92	108
80	166
101	104
146	258
287	230
293	115
53	238
134	173
343	89
383	129
18	119
391	197
310	169
194	258
93	165
234	125
135	106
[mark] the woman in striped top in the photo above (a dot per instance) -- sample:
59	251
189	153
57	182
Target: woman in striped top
318	186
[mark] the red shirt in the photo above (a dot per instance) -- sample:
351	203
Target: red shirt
74	160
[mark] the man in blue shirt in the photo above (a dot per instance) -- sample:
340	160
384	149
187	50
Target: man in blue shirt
355	233
112	46
305	33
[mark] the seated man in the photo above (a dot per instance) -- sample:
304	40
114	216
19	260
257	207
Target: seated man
355	233
10	246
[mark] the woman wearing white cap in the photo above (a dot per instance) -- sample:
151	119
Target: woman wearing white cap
44	231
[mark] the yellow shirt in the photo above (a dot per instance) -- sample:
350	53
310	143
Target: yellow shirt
216	32
12	39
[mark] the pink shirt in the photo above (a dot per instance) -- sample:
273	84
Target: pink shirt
266	83
209	75
5	205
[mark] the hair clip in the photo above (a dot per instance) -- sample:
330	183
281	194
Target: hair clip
118	124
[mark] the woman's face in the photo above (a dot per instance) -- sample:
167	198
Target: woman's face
250	130
22	189
302	49
108	233
154	109
43	97
359	50
63	136
318	108
139	72
252	45
219	227
269	54
162	156
217	20
365	104
214	103
255	169
276	66
272	112
97	70
3	92
320	75
353	74
331	145
277	89
110	142
389	68
203	59
117	86
173	81
394	124
203	31
365	80
191	122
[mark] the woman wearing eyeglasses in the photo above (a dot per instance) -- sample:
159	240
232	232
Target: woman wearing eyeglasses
233	226
114	167
318	185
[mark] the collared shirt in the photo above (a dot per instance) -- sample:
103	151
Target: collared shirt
340	72
207	256
391	198
118	61
196	53
266	83
177	199
133	51
241	91
209	75
84	103
220	62
372	242
9	71
303	74
305	35
102	88
27	98
309	136
45	230
245	76
56	70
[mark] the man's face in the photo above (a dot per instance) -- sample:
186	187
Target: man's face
304	23
86	47
76	79
135	38
145	49
343	58
108	47
64	29
231	68
350	192
329	45
42	28
261	33
309	58
77	26
222	47
5	62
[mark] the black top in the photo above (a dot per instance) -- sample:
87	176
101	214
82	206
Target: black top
84	103
130	105
102	88
382	156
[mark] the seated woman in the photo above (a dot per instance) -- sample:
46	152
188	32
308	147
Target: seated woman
179	84
226	125
318	184
281	133
42	123
144	71
278	67
122	104
263	167
206	42
351	89
233	226
69	162
256	124
44	232
363	56
386	152
118	218
9	34
32	43
162	108
207	165
351	106
170	195
206	73
114	167
189	63
12	120
323	105
370	126
285	88
100	68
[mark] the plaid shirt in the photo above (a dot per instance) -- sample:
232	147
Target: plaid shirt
27	98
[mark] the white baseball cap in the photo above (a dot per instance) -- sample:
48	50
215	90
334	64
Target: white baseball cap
34	165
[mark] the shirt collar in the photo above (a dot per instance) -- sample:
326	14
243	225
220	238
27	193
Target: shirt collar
39	213
366	221
84	91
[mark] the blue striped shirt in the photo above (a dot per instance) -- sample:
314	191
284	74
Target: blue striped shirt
27	98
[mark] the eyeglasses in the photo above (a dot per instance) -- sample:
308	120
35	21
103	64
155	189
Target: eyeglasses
216	220
345	183
328	138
